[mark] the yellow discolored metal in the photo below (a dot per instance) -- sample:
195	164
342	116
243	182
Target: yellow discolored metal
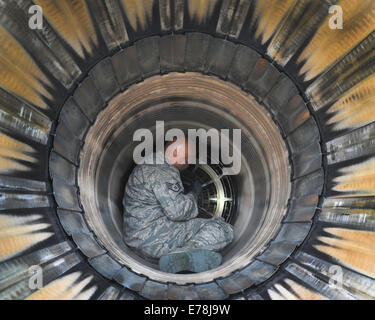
18	234
18	72
299	292
87	294
11	152
290	29
356	108
66	288
357	179
353	248
303	293
72	20
201	10
269	14
23	229
138	12
281	293
328	45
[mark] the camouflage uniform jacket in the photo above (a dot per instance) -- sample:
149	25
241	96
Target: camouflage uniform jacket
156	209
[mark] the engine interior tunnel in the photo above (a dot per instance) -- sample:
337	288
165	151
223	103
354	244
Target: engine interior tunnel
75	88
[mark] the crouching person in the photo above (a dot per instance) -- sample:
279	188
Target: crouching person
160	220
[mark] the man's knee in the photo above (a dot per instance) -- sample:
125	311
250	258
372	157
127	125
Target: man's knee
224	227
222	231
227	231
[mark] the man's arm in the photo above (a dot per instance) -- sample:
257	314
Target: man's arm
176	205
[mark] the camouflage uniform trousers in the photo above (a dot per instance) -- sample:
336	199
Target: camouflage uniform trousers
210	234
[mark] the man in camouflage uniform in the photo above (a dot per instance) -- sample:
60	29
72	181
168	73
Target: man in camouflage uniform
160	220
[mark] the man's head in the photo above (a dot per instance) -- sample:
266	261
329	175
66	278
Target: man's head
178	152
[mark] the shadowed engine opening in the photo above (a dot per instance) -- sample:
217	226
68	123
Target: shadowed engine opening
257	212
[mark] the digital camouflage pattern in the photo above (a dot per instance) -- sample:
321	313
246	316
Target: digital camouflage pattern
159	217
